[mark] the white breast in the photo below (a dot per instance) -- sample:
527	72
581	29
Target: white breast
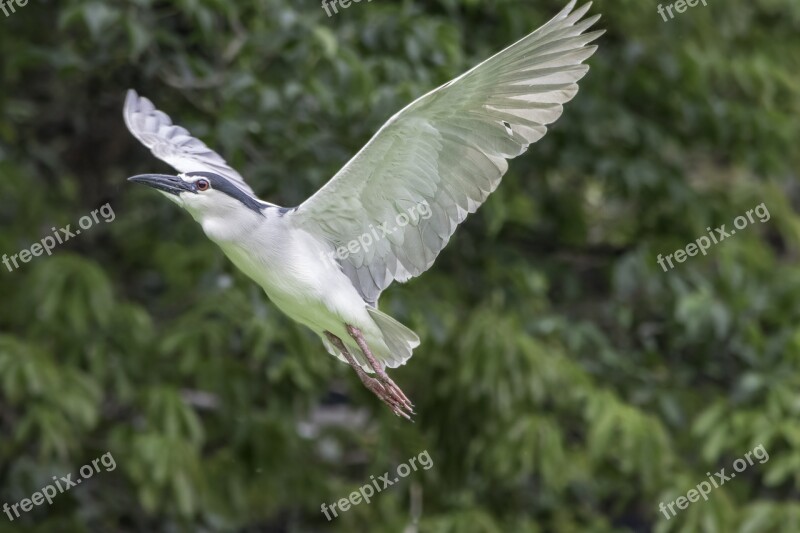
291	266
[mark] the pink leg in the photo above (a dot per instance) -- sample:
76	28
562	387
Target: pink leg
379	369
378	389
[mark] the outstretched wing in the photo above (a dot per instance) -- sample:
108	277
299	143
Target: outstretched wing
438	159
173	144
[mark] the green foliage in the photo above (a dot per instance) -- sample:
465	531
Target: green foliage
565	382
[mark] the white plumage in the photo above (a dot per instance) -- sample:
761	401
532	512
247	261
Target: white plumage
447	150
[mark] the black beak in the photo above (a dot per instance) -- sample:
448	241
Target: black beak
169	184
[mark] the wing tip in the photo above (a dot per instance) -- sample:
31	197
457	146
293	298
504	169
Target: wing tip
136	103
131	96
569	7
579	13
129	107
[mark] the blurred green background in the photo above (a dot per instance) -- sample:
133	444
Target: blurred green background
565	382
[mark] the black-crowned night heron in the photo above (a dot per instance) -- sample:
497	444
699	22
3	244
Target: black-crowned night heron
416	180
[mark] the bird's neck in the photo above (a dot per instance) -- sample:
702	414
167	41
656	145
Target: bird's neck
232	228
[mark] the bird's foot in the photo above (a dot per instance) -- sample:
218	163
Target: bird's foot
395	391
382	386
379	369
399	405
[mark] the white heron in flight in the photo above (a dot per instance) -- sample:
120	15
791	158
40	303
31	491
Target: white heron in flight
391	209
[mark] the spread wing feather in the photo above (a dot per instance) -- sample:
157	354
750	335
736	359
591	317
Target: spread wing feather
439	158
171	143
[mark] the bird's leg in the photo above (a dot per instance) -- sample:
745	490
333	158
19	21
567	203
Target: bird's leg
383	377
374	385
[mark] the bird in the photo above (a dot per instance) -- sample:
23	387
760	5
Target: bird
387	214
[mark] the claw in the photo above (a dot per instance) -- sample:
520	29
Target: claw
382	386
383	377
395	390
386	396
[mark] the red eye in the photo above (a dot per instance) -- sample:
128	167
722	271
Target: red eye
202	185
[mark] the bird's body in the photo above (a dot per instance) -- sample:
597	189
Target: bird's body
286	262
391	209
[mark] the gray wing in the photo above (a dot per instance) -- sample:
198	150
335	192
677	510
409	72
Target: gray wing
173	144
443	155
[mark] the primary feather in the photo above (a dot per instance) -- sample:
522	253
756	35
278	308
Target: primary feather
449	150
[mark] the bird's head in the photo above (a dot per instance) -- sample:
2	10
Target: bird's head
213	200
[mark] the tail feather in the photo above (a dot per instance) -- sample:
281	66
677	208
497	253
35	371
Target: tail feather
394	349
400	341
